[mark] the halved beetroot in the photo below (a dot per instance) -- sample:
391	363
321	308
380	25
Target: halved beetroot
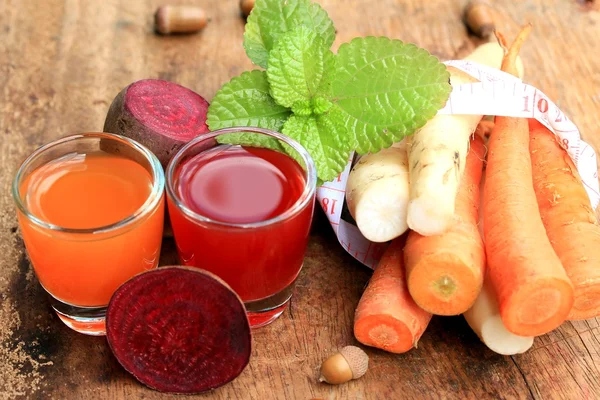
179	330
159	114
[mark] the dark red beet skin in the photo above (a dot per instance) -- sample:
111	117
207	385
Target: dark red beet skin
179	330
159	114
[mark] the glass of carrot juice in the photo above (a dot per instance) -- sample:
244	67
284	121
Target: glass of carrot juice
90	209
244	213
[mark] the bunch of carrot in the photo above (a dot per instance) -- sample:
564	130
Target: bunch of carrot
536	276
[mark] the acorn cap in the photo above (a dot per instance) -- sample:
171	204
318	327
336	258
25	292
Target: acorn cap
357	359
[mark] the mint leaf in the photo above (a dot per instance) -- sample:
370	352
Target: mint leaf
316	105
325	138
387	89
320	105
302	108
245	101
300	67
271	18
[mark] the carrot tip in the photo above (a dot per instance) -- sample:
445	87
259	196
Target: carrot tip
511	53
501	41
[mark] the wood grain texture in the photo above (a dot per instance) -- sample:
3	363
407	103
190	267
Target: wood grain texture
63	61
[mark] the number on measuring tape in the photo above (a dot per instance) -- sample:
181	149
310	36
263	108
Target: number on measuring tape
326	202
559	117
565	143
542	105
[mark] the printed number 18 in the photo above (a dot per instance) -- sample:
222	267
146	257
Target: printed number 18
326	202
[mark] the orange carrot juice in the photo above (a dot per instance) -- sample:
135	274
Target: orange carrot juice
86	260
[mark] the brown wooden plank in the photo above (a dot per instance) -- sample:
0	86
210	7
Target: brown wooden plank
62	62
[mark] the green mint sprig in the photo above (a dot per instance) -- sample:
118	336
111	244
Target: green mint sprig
373	93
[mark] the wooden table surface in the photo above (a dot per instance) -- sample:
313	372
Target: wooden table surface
63	61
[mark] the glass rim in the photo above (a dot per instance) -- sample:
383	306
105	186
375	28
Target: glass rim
158	184
310	175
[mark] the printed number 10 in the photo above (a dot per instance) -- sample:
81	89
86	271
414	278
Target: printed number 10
542	105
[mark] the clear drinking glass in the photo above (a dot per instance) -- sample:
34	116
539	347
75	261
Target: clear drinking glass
82	267
259	257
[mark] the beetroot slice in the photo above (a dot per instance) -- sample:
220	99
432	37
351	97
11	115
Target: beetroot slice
179	330
161	115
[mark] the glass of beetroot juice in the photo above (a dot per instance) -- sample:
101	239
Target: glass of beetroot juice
244	213
91	212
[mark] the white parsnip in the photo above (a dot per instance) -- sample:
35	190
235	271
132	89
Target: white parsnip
436	160
485	320
377	193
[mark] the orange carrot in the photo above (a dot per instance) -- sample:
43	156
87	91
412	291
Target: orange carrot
386	316
534	293
445	272
570	221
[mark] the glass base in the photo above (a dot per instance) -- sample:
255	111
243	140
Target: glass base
263	312
86	320
260	319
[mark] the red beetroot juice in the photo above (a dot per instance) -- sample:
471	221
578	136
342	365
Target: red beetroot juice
233	186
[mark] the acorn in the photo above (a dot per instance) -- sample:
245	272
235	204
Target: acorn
479	17
179	19
349	363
